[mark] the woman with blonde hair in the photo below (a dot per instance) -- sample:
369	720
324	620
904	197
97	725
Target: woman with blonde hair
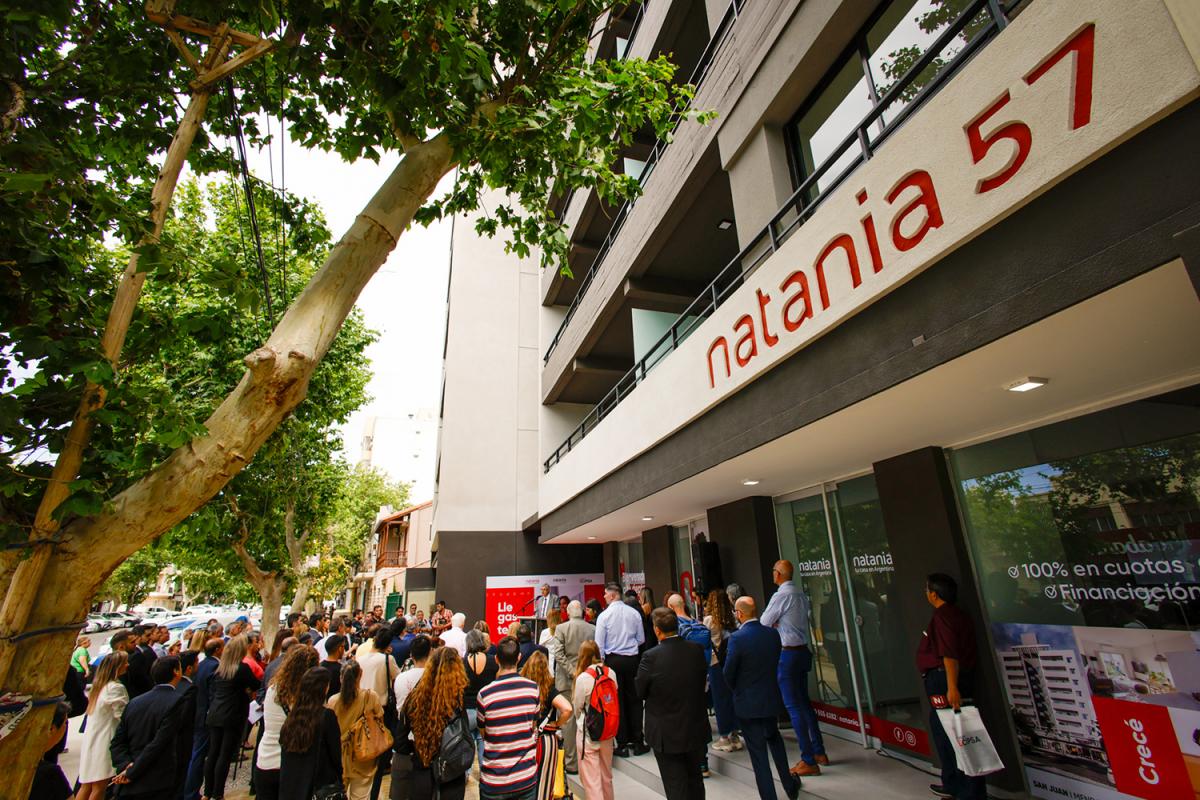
197	641
229	692
554	709
595	758
350	705
81	658
280	696
435	703
718	618
106	703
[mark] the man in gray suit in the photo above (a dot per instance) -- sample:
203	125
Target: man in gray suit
568	637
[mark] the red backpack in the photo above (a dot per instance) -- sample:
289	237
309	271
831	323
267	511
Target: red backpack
603	711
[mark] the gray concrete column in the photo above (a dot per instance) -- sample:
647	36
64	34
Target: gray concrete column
744	532
760	181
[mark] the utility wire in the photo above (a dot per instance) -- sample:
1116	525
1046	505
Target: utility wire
248	185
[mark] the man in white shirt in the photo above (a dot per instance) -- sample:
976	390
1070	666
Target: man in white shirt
456	637
406	680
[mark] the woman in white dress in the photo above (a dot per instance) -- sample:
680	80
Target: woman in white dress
106	703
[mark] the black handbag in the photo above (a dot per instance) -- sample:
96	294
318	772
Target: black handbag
390	715
457	751
332	791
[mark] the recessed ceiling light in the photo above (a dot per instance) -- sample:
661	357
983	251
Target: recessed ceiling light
751	482
591	537
1026	384
725	224
647	519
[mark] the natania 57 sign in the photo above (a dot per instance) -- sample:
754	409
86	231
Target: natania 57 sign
1065	81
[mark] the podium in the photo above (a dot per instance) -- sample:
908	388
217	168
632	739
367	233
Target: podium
535	624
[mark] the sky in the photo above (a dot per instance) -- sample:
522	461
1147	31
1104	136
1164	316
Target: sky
405	303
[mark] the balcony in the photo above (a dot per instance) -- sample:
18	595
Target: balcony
392	559
978	24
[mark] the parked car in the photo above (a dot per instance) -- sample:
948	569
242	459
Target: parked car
122	619
97	623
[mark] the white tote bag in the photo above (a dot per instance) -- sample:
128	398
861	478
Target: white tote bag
974	753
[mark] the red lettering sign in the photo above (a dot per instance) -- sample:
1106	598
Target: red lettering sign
1142	749
503	606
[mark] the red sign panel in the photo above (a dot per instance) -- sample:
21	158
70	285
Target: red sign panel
504	606
1142	749
892	734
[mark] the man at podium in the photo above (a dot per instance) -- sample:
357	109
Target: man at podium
545	602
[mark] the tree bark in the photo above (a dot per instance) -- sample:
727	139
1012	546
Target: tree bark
274	383
300	598
269	585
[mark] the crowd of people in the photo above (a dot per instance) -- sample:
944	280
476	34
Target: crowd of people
332	707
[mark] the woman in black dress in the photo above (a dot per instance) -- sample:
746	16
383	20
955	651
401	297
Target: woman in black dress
229	691
310	742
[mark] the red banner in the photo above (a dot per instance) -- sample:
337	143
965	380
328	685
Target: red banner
892	734
1142	749
505	605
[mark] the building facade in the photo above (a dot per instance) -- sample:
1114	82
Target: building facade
922	297
398	563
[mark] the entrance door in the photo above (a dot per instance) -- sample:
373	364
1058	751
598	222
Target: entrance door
863	670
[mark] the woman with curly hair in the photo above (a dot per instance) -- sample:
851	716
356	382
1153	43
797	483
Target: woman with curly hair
718	618
434	703
280	696
310	742
554	709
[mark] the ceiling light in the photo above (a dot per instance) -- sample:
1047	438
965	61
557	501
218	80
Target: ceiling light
751	482
647	519
725	224
591	538
1026	384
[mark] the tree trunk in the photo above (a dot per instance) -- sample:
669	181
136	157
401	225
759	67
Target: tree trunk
300	598
274	383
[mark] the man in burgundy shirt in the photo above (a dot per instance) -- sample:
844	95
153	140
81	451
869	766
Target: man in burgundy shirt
946	660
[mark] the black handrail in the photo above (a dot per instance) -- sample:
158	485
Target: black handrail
695	79
736	271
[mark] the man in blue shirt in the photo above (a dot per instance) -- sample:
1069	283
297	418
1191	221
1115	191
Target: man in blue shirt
787	612
619	632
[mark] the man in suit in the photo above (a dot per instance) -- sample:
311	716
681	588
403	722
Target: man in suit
204	673
143	747
137	677
544	602
188	661
564	645
671	679
750	670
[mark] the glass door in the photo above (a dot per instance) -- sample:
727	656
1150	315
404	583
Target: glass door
863	677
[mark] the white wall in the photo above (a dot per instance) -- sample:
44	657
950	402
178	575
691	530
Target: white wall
488	448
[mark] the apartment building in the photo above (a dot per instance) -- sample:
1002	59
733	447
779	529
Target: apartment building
927	251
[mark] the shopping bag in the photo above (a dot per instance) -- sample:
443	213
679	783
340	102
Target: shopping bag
974	753
560	775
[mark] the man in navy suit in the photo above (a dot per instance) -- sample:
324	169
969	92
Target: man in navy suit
144	746
750	667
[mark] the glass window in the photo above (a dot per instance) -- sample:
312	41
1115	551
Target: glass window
1087	546
828	120
905	31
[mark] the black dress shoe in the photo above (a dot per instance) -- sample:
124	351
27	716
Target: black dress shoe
641	749
795	793
621	752
939	790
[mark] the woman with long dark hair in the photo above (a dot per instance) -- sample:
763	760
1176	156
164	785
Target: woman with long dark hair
595	758
554	710
310	742
350	705
280	697
434	703
229	691
106	703
718	618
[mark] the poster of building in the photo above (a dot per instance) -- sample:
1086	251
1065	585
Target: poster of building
1113	709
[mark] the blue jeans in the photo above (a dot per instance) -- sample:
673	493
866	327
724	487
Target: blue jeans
195	771
953	779
794	666
722	698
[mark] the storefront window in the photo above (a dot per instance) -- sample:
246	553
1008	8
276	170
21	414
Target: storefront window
1086	539
631	565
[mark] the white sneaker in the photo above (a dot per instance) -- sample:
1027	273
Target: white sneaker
724	744
737	743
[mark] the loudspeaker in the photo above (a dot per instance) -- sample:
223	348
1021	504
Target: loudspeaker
708	567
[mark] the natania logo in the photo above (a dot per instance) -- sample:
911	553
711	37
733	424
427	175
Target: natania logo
911	209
